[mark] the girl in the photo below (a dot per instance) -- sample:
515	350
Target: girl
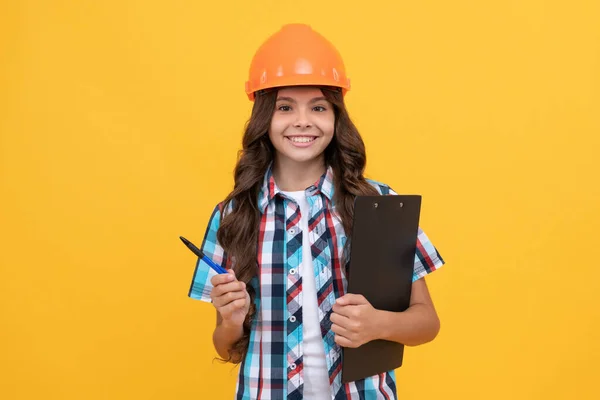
282	311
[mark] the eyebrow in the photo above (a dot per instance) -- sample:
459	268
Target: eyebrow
291	100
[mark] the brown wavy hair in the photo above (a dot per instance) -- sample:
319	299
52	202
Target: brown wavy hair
238	231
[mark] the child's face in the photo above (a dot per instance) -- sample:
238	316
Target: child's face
303	124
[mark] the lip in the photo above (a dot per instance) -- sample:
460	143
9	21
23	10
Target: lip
301	144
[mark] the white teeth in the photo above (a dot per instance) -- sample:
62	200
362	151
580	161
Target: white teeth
301	139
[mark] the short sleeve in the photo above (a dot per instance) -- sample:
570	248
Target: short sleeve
201	286
427	258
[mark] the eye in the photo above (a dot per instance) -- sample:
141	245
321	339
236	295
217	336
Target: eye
284	108
319	109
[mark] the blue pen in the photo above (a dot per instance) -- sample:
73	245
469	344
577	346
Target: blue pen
200	254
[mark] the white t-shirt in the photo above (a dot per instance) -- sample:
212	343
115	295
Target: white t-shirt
316	376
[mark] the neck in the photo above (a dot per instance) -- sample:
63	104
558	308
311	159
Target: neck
291	176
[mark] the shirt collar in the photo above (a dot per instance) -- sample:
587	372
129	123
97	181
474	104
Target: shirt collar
269	188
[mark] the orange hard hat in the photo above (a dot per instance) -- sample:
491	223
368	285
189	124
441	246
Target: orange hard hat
296	56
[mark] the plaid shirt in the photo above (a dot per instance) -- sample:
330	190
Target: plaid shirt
272	368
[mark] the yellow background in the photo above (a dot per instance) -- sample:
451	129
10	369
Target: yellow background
120	122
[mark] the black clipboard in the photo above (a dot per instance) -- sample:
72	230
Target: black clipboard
382	257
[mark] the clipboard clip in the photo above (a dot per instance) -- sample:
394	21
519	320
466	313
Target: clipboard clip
375	205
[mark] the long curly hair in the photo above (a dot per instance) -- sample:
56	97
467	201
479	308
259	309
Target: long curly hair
238	231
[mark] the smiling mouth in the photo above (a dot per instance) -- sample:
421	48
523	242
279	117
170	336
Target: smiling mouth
301	139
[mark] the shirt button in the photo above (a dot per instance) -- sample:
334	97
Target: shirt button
292	231
292	319
292	366
293	271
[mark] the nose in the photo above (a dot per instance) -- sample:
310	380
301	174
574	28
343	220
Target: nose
302	121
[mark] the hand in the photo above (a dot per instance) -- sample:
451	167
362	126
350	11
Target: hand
354	321
230	298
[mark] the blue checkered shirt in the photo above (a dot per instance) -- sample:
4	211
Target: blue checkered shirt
272	368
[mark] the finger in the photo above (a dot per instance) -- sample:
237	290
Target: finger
349	324
225	288
340	330
341	309
222	290
340	320
230	308
228	298
220	279
344	311
229	287
352	299
344	342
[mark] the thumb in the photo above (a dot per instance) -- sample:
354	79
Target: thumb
232	272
